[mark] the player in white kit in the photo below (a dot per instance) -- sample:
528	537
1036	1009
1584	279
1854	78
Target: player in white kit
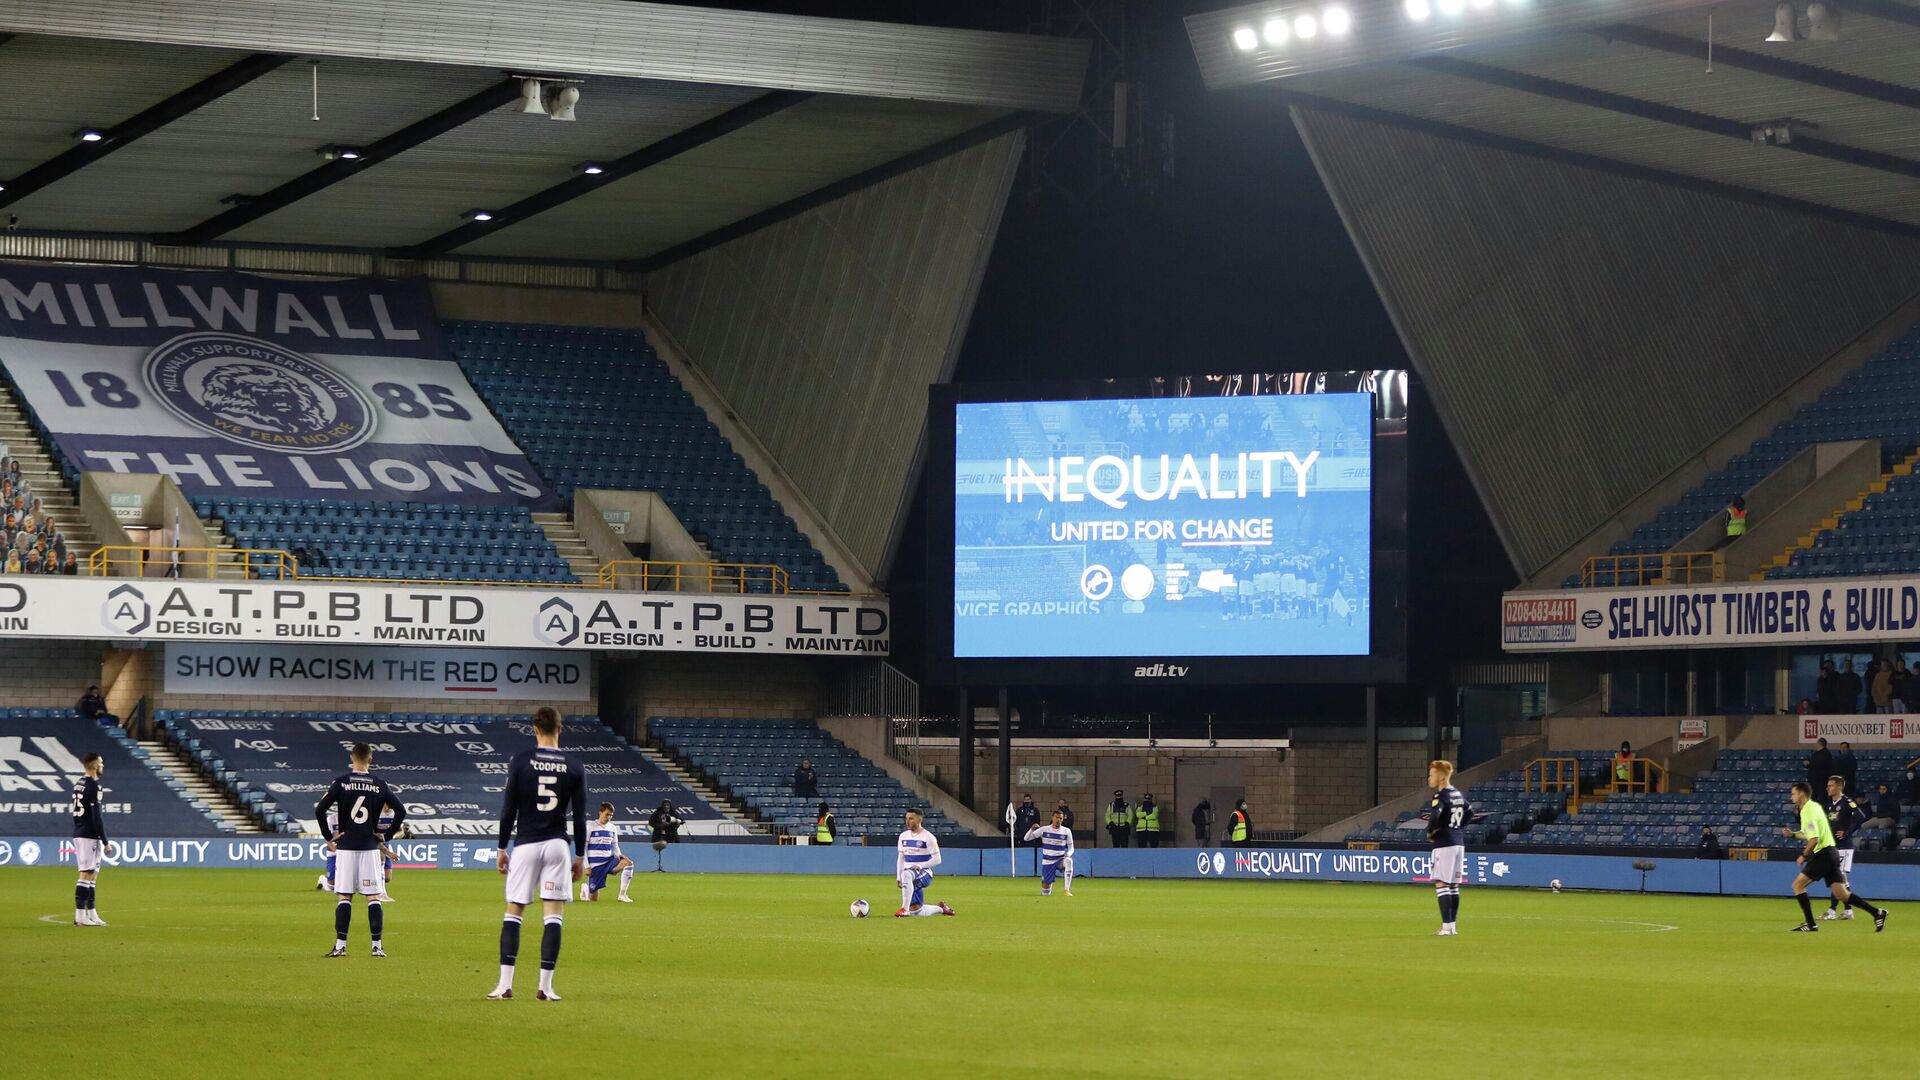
604	857
1056	852
918	853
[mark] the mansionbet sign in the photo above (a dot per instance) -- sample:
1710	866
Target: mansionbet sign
1893	728
506	618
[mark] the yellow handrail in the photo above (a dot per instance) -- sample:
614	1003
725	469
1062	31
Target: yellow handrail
1670	568
640	575
648	575
1643	775
122	560
1556	774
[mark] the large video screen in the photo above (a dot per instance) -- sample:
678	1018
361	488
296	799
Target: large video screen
1225	528
1228	526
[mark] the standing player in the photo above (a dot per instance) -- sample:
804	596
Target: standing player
1056	852
1845	818
919	853
543	786
604	857
1821	860
89	839
1447	817
359	796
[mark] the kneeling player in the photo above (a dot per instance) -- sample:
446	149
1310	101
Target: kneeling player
604	857
1820	860
919	853
1056	852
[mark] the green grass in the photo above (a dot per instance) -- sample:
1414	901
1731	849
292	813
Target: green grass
218	973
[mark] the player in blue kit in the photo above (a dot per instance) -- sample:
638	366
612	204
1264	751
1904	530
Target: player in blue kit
1447	817
604	857
89	840
1845	816
359	797
544	787
1056	852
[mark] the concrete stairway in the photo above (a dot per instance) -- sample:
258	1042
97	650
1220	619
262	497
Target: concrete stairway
566	540
37	467
685	774
1832	521
167	758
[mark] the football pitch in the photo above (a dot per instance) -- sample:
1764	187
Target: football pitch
219	973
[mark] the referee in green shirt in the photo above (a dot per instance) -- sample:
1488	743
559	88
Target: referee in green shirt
1820	860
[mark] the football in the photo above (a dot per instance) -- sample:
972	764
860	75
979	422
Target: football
859	908
1554	884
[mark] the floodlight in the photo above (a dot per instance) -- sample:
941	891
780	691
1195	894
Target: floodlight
1337	20
1245	39
1784	28
530	100
1276	32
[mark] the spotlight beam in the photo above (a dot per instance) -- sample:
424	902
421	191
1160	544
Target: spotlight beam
143	123
494	96
646	157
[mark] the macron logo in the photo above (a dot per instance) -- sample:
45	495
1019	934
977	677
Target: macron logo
1161	671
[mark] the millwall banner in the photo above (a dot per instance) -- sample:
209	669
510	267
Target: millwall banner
151	609
239	385
1835	611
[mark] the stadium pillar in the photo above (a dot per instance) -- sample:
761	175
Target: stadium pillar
965	779
1433	726
1006	756
1373	747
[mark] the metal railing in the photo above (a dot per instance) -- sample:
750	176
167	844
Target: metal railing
221	564
647	575
1554	774
1644	775
237	564
874	688
1670	568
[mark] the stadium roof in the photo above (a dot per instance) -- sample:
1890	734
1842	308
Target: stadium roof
218	128
1625	85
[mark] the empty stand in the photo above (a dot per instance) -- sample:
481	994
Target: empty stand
420	541
596	408
448	767
40	752
1881	400
754	761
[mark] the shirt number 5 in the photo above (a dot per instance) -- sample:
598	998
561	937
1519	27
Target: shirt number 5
549	798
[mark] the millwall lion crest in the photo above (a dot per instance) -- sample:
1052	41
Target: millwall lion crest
258	394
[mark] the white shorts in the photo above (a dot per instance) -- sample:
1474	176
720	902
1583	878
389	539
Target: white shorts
547	864
358	872
86	854
1449	866
1846	860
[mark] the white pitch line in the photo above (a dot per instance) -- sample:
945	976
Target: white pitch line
1652	927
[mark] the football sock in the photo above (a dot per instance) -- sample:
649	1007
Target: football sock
374	919
906	897
1453	904
1440	897
549	948
509	947
1855	900
1806	907
626	879
342	919
1068	874
546	979
927	909
80	895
